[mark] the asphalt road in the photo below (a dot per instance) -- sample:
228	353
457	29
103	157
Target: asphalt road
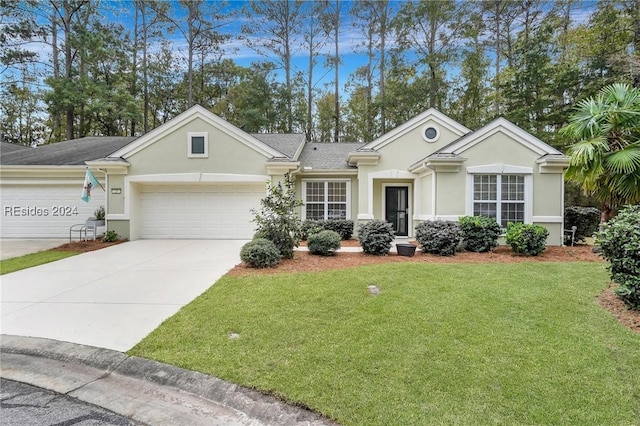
23	404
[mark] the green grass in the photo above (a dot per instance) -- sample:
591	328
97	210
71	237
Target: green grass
33	259
522	343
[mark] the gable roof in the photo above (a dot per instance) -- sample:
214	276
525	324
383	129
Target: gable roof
327	156
417	121
207	116
290	145
72	152
498	125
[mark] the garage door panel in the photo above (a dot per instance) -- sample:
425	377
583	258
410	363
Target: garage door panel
199	211
44	211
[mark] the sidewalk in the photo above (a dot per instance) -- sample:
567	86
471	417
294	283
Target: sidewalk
143	390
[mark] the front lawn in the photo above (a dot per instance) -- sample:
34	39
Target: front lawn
33	259
521	343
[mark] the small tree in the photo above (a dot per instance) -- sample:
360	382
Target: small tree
277	219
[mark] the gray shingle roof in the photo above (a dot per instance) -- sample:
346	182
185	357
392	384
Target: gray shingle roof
7	147
287	144
328	156
73	152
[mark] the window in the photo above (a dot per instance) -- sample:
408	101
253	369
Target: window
430	133
326	200
198	145
501	197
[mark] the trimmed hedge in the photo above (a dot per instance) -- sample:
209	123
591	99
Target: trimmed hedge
376	237
586	219
529	240
479	233
342	226
260	253
619	243
438	237
324	243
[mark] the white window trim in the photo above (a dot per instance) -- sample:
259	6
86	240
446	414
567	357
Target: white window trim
500	169
326	181
190	136
424	135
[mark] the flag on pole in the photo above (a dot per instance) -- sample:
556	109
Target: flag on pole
90	182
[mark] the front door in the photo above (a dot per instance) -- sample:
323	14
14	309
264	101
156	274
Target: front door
397	209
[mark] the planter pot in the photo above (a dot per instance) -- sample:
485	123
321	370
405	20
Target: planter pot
406	249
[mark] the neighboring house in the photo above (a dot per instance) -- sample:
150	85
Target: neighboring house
198	176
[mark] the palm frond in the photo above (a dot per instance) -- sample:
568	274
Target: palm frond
624	161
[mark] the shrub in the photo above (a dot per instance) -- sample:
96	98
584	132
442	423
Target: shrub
619	243
586	219
324	243
343	227
376	237
260	253
438	237
110	236
277	219
310	226
479	233
529	240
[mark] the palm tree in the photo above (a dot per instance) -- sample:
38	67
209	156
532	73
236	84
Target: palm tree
605	159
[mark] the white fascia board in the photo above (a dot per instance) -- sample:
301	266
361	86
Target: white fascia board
514	132
45	168
415	122
189	115
338	173
500	169
197	178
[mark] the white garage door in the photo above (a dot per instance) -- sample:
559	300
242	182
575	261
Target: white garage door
44	211
221	211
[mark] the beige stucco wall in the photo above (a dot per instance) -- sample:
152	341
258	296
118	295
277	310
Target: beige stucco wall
169	154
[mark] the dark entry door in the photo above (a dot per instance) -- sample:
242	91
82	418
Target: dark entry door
397	208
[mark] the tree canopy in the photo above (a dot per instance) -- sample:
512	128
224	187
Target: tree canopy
73	68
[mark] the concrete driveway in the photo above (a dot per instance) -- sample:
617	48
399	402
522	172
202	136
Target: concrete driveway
112	298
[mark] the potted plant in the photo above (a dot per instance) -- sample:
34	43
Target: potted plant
99	215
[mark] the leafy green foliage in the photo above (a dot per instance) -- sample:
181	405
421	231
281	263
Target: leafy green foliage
260	253
586	219
479	233
277	219
324	243
99	213
527	239
342	226
376	237
110	236
438	237
619	242
605	157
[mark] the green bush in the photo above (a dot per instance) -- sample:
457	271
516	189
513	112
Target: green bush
438	237
586	219
529	240
324	243
277	219
343	227
110	236
619	243
260	253
376	237
479	233
310	226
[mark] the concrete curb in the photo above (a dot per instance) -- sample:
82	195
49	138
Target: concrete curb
146	391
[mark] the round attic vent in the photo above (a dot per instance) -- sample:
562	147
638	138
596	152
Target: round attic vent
430	133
